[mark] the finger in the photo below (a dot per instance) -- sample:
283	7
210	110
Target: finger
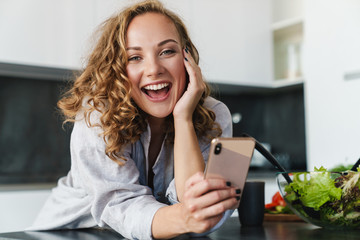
206	185
188	56
191	67
214	197
216	209
194	179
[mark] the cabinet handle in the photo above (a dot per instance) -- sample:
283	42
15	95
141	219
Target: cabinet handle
352	75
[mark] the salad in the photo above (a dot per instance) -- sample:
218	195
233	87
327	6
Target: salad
331	198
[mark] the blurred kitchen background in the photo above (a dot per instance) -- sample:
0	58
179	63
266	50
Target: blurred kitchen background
288	70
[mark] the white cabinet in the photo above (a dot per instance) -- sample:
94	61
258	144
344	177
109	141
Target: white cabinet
331	45
350	39
43	32
233	39
287	32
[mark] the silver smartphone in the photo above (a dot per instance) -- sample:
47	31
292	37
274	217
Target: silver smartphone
229	159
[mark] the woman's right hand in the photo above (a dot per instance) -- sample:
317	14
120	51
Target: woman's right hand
205	201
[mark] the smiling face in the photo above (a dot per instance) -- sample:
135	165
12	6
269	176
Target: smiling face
156	64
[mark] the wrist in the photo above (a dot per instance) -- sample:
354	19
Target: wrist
184	228
171	216
183	122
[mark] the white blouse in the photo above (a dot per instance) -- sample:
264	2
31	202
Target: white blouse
99	192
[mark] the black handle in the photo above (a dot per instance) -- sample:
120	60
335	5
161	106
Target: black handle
270	158
356	165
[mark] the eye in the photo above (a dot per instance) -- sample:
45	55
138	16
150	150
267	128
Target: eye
134	58
167	52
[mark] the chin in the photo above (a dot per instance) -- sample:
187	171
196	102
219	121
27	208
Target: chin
162	113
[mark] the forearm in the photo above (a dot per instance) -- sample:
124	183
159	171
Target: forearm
187	155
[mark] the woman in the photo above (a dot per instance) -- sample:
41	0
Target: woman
143	121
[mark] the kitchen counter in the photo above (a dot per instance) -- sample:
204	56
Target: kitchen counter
230	230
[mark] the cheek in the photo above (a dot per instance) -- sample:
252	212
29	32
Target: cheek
132	75
181	74
183	80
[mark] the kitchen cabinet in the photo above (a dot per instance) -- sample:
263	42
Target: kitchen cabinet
287	33
331	51
233	38
45	33
350	37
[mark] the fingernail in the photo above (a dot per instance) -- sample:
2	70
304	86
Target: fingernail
238	198
186	50
228	184
238	191
186	59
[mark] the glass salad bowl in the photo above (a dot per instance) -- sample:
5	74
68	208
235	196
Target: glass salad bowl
325	199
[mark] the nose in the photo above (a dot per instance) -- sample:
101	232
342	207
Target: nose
154	67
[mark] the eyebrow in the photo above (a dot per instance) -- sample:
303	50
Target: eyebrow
159	44
166	41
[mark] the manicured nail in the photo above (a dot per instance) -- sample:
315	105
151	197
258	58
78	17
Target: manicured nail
186	50
238	191
238	198
186	59
228	184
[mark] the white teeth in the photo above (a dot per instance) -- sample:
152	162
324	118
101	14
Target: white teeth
157	86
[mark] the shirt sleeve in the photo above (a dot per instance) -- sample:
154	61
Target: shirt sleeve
118	200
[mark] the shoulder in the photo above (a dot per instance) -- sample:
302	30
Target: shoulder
221	111
215	104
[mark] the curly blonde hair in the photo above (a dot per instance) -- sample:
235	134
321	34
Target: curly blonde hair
104	86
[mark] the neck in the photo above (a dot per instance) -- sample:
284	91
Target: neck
156	125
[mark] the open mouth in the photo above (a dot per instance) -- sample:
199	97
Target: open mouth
157	91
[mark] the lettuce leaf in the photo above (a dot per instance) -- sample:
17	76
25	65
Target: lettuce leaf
314	189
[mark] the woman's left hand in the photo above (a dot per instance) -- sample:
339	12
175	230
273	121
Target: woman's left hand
205	201
186	105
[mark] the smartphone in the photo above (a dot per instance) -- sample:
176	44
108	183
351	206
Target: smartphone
229	159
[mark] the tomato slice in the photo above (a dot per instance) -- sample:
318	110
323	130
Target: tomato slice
270	205
277	200
277	197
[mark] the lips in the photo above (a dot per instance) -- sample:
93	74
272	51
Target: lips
158	91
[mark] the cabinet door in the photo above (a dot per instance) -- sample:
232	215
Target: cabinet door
234	40
42	32
350	39
332	48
